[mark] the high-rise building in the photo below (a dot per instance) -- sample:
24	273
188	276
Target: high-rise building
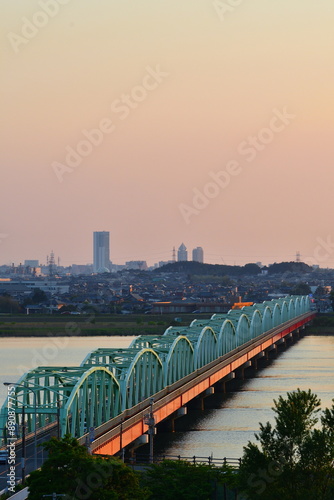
101	254
198	255
182	253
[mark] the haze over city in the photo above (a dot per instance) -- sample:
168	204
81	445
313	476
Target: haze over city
185	121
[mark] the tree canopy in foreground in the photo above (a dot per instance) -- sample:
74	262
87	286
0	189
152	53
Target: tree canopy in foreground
71	470
181	480
295	459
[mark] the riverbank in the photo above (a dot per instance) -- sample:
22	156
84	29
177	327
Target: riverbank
108	325
88	326
320	330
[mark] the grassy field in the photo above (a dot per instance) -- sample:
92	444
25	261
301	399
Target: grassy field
320	330
113	324
86	325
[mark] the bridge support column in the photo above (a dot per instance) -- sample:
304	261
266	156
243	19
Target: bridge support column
168	425
199	400
243	368
257	359
136	444
289	338
281	343
272	350
221	385
179	413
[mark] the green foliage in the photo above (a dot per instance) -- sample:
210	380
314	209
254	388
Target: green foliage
199	269
289	267
70	469
295	459
38	296
301	289
324	320
8	305
331	297
180	480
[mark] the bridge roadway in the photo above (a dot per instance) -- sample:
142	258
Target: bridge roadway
128	426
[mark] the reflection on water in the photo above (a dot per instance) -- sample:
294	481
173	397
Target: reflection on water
233	419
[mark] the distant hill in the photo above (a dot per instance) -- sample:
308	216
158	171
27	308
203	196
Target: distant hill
190	267
196	268
289	267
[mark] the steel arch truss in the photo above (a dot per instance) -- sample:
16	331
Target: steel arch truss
112	380
205	346
256	324
94	400
139	371
175	352
241	324
142	379
277	315
227	337
79	397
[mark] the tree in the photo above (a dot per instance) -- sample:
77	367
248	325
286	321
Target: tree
295	460
38	296
9	305
70	469
181	480
331	298
301	289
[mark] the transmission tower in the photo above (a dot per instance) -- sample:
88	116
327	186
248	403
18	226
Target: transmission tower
51	264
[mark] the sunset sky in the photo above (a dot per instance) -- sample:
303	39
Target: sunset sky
215	123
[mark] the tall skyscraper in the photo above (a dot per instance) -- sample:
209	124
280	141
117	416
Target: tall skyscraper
182	253
198	255
101	253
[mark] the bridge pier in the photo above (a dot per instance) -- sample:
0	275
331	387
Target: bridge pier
140	441
242	369
168	425
281	343
297	333
221	385
289	339
198	402
257	359
271	352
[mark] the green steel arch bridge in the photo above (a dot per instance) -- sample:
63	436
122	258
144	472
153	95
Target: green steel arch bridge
111	382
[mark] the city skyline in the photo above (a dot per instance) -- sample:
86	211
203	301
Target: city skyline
164	122
320	258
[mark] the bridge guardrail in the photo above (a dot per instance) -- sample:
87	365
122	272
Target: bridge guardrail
140	459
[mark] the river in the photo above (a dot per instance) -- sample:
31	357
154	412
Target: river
229	421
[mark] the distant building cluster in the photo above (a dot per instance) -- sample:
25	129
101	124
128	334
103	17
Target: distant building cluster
197	254
101	261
